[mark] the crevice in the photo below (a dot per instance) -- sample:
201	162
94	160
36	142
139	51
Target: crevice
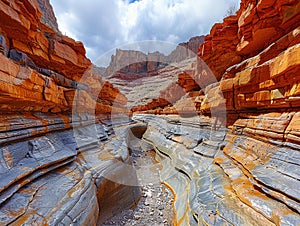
183	172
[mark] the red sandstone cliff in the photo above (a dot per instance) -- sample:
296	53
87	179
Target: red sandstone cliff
41	69
262	72
247	173
251	95
186	49
254	55
132	63
44	76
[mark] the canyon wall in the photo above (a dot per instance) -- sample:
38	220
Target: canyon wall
64	146
55	115
237	163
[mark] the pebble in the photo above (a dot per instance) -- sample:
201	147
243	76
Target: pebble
148	194
160	207
137	217
147	202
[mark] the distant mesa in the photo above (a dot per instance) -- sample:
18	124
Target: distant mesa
131	63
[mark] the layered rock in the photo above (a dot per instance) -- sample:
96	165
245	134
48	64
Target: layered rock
23	30
265	82
136	63
228	176
52	174
55	116
142	90
41	69
172	94
186	50
130	64
245	173
240	164
48	16
255	27
241	72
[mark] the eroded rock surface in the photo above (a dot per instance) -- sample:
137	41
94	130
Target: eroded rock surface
57	175
55	165
247	171
65	139
140	91
226	176
134	64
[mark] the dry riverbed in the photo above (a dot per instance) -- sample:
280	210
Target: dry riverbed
155	206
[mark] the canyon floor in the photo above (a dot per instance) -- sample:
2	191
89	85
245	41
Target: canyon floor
155	206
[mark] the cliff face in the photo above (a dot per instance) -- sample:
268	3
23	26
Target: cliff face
127	62
186	49
240	164
48	17
49	156
255	27
133	64
41	69
241	71
233	158
265	78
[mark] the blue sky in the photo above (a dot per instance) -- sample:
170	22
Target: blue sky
103	25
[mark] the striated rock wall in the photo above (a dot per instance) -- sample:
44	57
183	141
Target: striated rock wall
186	49
266	77
228	176
55	125
140	90
130	64
136	63
166	103
41	69
240	71
239	164
48	16
256	26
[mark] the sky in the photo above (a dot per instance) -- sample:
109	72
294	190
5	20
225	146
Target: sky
103	25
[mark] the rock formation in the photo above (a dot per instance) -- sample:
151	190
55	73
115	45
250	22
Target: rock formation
141	89
131	64
66	133
50	158
186	49
248	172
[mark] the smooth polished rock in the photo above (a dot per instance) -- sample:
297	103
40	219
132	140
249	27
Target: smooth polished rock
229	177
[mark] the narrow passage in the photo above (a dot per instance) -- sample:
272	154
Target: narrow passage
155	206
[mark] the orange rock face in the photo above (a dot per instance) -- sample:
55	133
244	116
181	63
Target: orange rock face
266	81
40	68
219	48
171	94
256	26
47	48
265	46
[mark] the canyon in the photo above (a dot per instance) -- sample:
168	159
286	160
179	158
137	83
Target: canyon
220	115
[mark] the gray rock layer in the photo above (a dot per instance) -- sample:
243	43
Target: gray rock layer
223	178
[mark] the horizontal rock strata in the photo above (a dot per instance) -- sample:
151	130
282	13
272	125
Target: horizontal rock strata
65	133
59	154
51	174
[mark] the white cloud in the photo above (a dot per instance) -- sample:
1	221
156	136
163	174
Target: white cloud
103	25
